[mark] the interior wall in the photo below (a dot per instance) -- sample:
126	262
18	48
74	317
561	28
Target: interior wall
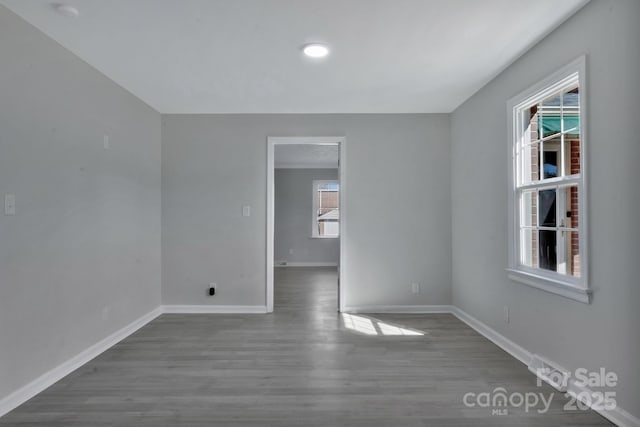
215	164
81	257
575	335
293	219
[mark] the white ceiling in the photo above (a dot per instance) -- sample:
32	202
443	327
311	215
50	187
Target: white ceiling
243	56
306	156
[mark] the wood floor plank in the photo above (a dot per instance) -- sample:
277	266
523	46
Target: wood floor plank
303	365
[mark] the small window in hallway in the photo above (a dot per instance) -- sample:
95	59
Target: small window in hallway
326	209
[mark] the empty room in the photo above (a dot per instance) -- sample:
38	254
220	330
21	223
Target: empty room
319	213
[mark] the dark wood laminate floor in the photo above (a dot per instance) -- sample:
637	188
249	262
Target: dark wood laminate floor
304	365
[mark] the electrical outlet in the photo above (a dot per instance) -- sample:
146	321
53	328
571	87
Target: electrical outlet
506	314
212	289
290	251
415	288
9	204
106	313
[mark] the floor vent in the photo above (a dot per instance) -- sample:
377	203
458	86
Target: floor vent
556	376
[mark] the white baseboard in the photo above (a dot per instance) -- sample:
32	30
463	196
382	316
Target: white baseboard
550	372
46	380
492	335
49	378
620	417
211	309
399	309
617	416
560	379
307	264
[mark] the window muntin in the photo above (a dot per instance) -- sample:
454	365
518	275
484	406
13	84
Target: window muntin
548	193
326	209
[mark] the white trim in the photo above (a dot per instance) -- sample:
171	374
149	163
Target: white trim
569	385
564	289
622	418
306	264
342	264
492	335
272	141
49	378
571	287
618	415
558	377
306	166
301	140
214	309
270	224
400	309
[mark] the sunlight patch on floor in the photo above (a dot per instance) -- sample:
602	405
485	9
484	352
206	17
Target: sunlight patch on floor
371	326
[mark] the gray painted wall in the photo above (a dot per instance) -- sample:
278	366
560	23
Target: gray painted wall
293	206
81	258
214	164
573	334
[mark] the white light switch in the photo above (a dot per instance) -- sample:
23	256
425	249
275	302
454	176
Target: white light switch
106	142
9	204
246	210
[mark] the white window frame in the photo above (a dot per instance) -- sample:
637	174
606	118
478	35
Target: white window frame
314	220
576	288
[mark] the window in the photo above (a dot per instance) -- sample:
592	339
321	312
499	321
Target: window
326	209
547	191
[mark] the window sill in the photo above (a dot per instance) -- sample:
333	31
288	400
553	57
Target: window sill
324	237
557	287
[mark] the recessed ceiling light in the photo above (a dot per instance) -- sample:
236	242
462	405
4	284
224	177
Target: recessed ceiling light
316	50
67	10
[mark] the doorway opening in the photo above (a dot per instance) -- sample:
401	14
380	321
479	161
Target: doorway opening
305	187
